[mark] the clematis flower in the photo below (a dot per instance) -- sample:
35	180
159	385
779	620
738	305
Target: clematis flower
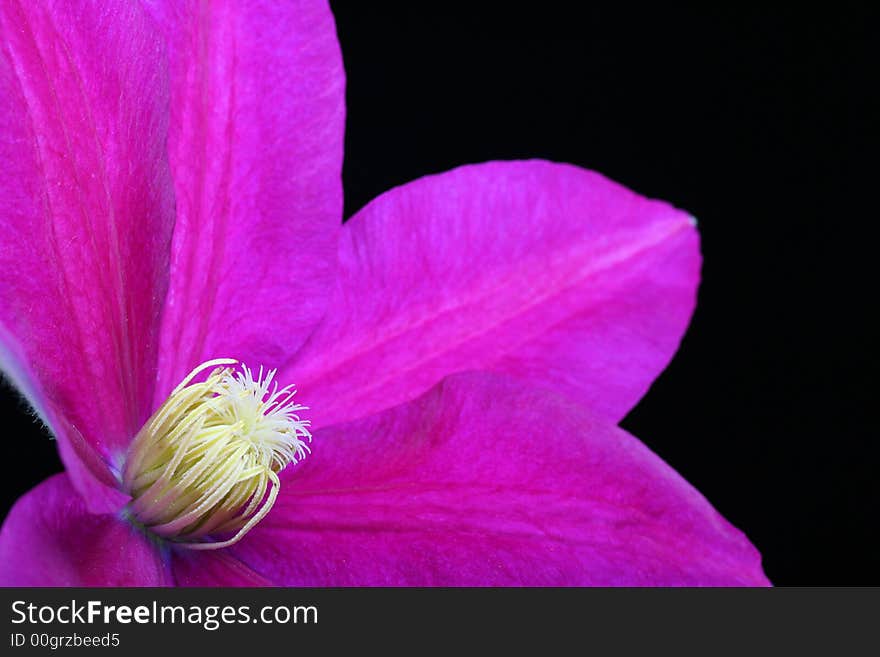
172	222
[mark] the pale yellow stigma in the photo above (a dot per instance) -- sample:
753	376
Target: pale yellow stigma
204	468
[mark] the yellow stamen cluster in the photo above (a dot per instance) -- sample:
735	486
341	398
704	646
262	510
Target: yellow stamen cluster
205	466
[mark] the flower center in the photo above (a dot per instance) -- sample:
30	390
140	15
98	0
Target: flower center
204	468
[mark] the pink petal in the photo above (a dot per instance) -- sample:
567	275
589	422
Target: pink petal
255	143
49	538
88	471
87	212
547	272
209	568
486	481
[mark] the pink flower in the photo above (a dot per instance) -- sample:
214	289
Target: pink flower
172	195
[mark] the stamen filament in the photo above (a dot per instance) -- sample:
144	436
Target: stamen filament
206	463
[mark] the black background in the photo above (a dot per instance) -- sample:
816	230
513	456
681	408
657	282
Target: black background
757	124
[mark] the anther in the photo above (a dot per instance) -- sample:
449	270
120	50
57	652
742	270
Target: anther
204	468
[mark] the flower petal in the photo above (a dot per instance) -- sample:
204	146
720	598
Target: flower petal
210	568
88	471
543	271
487	481
49	538
255	144
85	226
